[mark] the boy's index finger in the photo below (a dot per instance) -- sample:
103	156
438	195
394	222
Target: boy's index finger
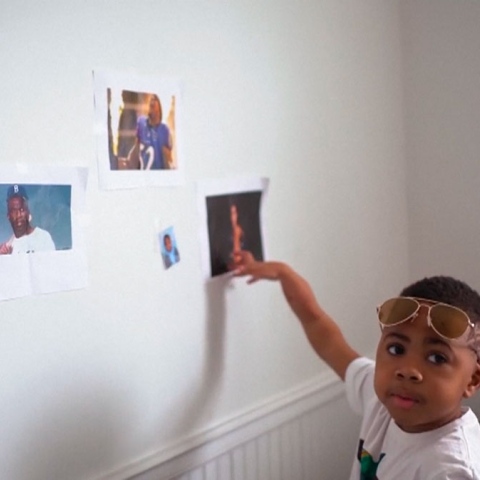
243	257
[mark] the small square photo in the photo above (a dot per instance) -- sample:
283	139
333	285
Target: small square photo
168	247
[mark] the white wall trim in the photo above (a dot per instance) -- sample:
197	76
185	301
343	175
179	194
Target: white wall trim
219	438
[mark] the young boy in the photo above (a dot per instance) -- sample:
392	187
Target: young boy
414	426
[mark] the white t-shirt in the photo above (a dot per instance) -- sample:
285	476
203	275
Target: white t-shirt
38	241
451	452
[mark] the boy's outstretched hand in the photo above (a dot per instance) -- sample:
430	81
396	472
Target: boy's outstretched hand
245	264
322	332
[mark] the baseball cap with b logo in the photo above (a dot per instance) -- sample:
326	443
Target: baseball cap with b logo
16	191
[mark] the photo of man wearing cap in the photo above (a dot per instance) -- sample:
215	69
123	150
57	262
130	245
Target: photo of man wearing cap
26	238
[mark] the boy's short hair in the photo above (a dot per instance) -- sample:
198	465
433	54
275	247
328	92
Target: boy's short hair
447	290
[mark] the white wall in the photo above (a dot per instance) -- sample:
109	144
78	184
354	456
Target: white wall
442	85
308	94
441	41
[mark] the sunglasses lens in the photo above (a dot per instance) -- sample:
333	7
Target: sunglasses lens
396	310
448	321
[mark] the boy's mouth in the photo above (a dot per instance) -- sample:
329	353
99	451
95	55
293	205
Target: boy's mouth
403	400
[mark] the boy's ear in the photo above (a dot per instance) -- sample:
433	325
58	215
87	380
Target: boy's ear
474	384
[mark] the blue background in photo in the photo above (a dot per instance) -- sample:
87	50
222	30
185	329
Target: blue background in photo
170	232
50	206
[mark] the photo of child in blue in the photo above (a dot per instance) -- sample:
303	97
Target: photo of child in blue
153	146
170	252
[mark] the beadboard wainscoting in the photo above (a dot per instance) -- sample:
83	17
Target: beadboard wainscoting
281	439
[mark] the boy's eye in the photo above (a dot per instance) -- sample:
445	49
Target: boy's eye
395	349
437	358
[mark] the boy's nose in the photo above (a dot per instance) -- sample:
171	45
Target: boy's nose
409	373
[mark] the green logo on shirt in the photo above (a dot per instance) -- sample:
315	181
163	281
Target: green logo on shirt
368	466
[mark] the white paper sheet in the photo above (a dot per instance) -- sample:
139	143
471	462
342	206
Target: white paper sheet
56	201
121	100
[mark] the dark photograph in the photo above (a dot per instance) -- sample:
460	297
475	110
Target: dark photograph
233	225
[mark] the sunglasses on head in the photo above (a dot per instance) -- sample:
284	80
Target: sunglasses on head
447	321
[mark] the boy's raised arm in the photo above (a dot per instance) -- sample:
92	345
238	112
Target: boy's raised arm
322	332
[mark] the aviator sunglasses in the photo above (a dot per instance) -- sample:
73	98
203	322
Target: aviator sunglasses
447	321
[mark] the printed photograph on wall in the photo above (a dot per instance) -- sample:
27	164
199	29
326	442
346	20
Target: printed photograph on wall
140	135
41	230
168	247
137	125
35	218
231	212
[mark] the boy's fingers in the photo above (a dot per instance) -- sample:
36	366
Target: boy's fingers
238	271
238	257
245	256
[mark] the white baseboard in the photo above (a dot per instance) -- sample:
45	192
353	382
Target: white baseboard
203	446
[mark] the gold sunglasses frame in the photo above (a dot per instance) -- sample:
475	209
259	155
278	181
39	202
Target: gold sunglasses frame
429	304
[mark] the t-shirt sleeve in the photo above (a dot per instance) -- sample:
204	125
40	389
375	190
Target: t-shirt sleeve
359	383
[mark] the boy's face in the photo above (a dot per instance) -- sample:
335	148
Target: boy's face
421	377
167	241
